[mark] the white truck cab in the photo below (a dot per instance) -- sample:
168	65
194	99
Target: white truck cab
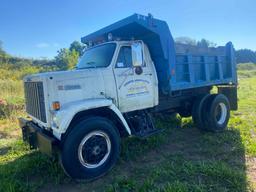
117	74
115	90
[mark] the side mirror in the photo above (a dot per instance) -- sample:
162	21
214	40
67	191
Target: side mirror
137	54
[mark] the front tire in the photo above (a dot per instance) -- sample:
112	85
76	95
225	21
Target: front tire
91	149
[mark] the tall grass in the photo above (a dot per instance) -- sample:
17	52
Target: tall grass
11	89
246	66
12	99
246	70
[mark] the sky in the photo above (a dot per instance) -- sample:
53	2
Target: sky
38	28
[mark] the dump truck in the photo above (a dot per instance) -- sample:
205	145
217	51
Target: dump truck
130	71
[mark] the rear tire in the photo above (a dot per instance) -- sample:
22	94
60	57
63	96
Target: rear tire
197	111
217	113
91	148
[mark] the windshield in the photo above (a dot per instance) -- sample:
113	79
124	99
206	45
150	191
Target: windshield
99	56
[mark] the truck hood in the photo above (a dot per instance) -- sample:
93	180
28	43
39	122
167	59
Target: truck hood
62	75
70	86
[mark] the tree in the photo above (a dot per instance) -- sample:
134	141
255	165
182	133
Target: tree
72	58
77	46
1	47
66	59
186	40
189	41
205	43
2	51
245	56
4	57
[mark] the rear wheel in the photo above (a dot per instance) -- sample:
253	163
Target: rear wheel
217	113
91	148
197	111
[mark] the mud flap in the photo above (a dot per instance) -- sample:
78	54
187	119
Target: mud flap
231	93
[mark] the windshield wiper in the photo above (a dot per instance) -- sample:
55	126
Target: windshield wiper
88	67
90	63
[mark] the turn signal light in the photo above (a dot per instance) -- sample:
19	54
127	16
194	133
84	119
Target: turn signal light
56	105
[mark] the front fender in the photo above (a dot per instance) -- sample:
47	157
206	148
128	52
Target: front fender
62	119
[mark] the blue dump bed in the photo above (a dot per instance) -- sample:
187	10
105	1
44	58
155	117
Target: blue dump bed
178	66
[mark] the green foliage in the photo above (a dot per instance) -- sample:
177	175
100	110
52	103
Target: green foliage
8	72
189	41
246	66
205	43
1	48
17	67
186	40
246	56
246	70
242	55
78	47
11	98
66	59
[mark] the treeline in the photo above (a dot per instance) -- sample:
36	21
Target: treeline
242	55
245	56
65	59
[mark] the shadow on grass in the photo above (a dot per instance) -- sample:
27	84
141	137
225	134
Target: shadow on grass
180	159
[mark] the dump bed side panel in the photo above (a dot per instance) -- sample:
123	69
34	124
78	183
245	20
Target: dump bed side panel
202	66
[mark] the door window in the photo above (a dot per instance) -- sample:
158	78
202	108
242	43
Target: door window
124	59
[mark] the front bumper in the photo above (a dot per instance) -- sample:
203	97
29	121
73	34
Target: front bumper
37	138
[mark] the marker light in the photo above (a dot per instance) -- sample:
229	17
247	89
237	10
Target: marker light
56	105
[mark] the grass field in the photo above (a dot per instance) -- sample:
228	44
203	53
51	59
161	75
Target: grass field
180	159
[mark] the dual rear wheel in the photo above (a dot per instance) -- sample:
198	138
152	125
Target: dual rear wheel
211	112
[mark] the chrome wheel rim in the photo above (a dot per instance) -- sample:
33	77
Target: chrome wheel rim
221	113
94	149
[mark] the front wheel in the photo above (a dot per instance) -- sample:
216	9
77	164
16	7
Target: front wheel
91	148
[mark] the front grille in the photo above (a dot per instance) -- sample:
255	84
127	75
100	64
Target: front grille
34	98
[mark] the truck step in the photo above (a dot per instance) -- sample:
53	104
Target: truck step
142	124
144	135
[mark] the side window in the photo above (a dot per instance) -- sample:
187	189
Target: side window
124	59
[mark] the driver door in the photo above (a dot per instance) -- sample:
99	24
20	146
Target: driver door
134	90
